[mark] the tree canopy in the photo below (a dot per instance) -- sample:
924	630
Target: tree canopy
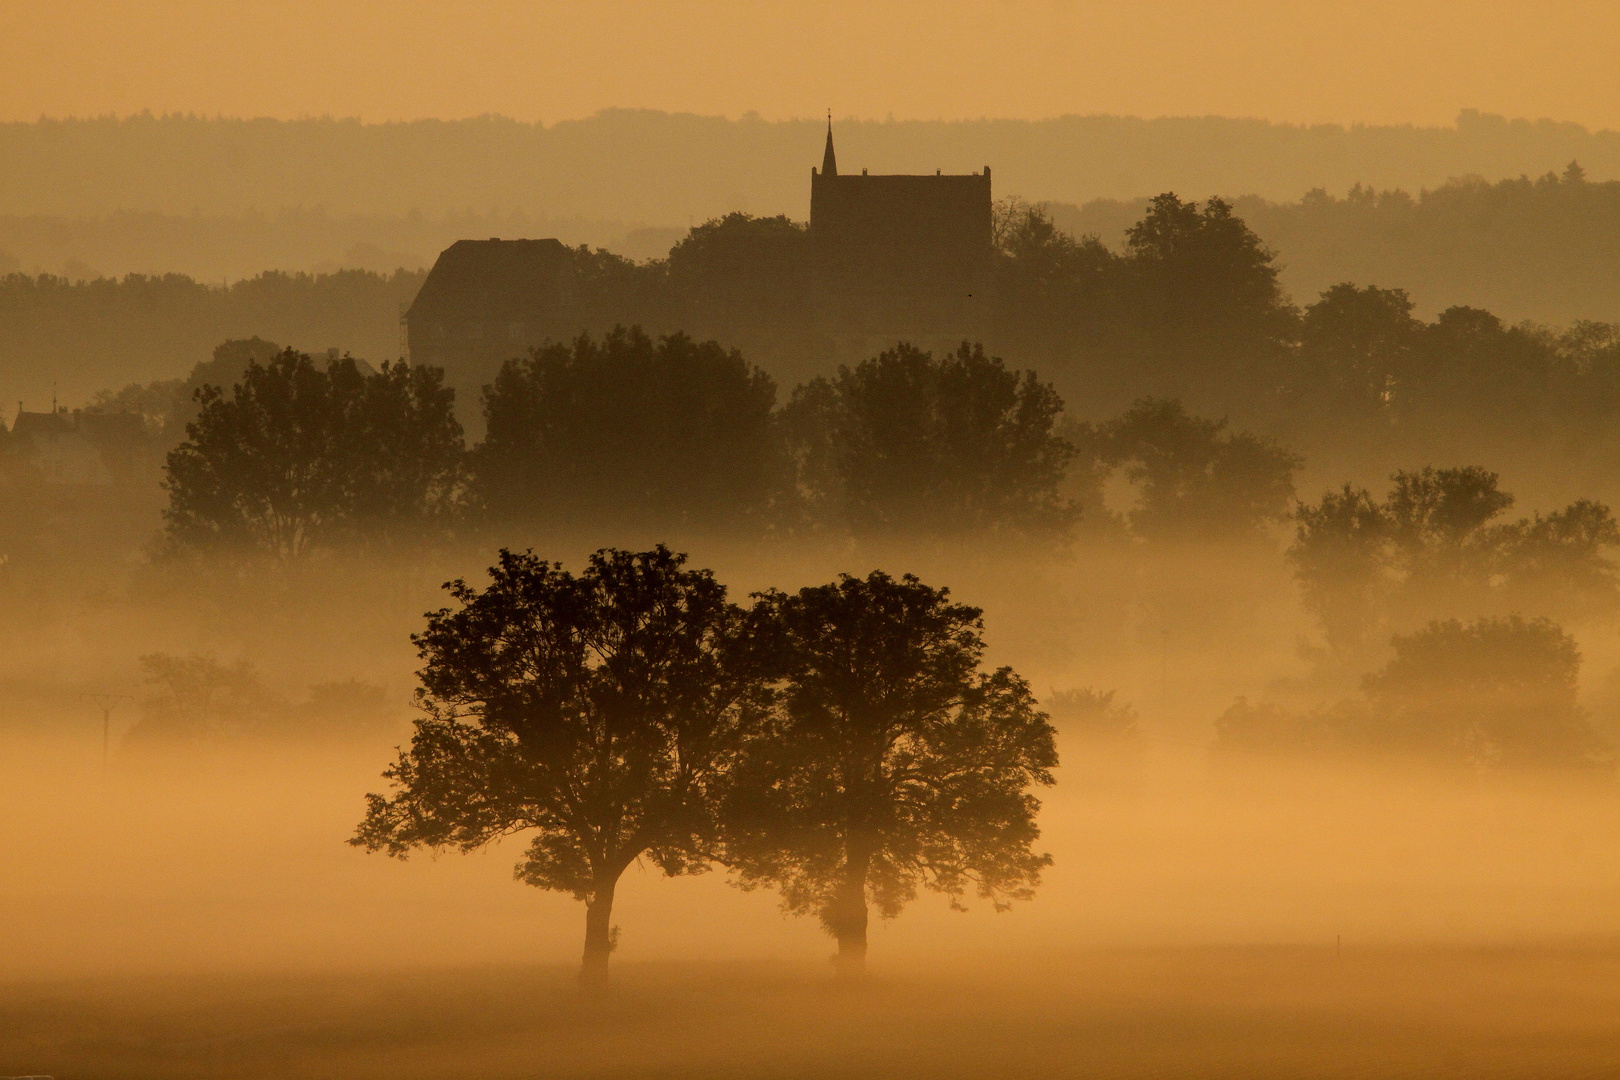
294	458
1435	546
596	714
1493	693
625	429
907	443
1196	481
893	761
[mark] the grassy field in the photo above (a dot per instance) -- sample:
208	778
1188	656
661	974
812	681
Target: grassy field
1228	1012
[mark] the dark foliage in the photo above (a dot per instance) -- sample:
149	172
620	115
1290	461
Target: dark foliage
892	763
906	443
1495	695
1195	480
626	430
295	459
1434	545
596	713
742	274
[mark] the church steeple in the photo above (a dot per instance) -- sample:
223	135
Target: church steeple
829	161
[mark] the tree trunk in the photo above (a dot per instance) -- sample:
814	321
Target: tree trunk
846	917
593	972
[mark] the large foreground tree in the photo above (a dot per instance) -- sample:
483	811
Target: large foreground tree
892	762
595	713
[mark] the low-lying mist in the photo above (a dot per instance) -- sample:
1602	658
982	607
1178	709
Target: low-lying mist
193	900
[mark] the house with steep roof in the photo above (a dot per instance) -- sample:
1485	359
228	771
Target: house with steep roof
81	447
486	301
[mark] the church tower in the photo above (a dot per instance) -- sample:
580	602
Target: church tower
899	258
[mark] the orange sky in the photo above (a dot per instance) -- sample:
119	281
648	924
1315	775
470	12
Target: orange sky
1305	60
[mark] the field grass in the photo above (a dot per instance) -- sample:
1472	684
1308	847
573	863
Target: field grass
1540	1012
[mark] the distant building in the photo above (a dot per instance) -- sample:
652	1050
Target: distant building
80	447
900	257
62	453
486	301
894	258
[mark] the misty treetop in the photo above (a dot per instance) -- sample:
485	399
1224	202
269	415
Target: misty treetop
629	430
1491	695
293	459
1195	480
197	700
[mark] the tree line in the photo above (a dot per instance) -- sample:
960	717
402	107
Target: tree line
1436	545
1189	306
842	744
1528	246
630	433
89	334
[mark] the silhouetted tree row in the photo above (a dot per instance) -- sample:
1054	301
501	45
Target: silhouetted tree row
1190	308
1539	247
841	744
1435	546
632	434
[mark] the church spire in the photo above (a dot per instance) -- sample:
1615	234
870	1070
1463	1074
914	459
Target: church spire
829	162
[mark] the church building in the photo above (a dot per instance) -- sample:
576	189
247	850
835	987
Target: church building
900	257
893	258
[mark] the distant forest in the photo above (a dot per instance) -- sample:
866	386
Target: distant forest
1545	248
664	169
72	338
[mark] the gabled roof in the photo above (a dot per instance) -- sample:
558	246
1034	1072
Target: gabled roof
493	278
36	424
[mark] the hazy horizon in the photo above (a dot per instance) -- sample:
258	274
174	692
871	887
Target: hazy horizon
1337	61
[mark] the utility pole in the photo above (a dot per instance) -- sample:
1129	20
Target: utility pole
106	703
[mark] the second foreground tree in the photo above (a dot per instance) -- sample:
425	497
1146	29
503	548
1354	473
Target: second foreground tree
892	761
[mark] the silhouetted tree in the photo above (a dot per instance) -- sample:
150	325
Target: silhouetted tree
1047	282
741	272
596	713
1203	291
630	431
904	442
892	762
1440	524
1357	345
1558	562
1496	693
295	457
1195	481
1342	560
